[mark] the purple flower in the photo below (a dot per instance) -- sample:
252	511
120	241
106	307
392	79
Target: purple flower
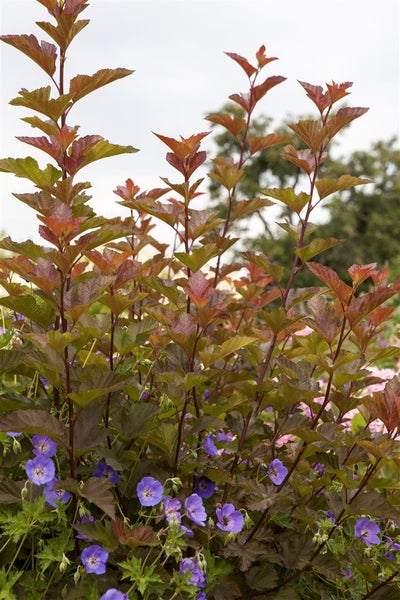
40	470
209	445
318	467
103	470
94	558
82	536
229	519
43	446
186	531
55	495
113	594
14	433
172	507
191	565
195	509
204	487
225	437
367	530
150	491
348	573
330	515
201	596
392	546
277	471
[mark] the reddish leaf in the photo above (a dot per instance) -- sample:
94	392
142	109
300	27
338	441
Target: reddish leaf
261	57
304	159
343	117
81	85
259	91
244	100
42	143
137	536
48	127
386	405
316	93
359	273
310	132
266	141
325	317
43	54
32	421
65	31
233	124
98	491
199	289
243	62
338	90
185	147
332	279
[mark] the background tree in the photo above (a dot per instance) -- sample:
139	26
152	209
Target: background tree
368	216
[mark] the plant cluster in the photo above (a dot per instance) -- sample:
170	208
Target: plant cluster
175	425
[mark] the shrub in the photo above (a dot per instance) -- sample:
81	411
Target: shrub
175	425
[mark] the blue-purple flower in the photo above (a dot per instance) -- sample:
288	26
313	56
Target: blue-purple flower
197	575
43	446
14	433
209	445
103	470
195	509
367	530
113	594
229	519
55	495
40	470
277	471
204	487
150	491
392	546
201	596
94	558
172	507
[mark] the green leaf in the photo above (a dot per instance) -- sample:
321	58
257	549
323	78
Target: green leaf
40	101
65	31
198	257
288	197
40	311
28	168
104	149
316	246
99	533
136	420
214	354
326	187
165	437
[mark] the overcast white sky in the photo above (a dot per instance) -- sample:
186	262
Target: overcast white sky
177	50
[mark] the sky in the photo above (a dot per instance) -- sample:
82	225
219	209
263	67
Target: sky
181	73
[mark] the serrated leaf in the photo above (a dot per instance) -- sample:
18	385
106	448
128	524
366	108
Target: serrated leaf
232	123
104	149
243	62
81	85
165	437
214	354
257	143
288	197
10	491
198	257
326	187
136	419
99	533
40	101
40	311
28	168
98	491
315	247
65	31
43	54
32	421
243	208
